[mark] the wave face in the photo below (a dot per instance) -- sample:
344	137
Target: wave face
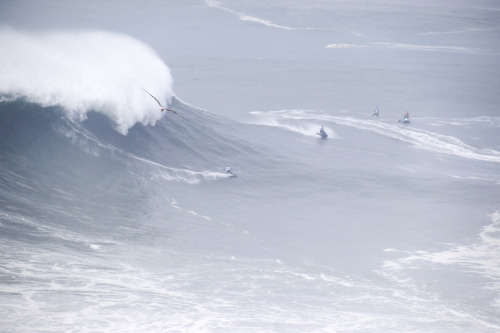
116	217
83	71
94	222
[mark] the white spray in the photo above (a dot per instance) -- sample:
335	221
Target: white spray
85	71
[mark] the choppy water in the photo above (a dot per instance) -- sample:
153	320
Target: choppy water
116	217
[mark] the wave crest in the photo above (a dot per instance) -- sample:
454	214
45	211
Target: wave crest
84	71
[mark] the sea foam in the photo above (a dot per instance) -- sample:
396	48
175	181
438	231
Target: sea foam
84	71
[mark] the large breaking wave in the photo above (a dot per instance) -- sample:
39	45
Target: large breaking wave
84	71
329	232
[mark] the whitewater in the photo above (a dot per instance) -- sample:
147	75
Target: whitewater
118	217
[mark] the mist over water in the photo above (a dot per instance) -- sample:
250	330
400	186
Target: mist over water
117	217
83	71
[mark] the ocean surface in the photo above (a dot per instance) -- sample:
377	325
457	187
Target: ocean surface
118	217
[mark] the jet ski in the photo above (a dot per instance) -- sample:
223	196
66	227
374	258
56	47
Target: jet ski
322	133
405	120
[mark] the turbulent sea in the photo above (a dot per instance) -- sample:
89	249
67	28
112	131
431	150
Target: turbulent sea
117	217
